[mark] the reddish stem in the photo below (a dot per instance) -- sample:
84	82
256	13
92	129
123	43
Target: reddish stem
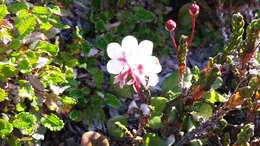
192	30
171	33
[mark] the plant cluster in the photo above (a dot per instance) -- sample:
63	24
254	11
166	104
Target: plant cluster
31	80
204	97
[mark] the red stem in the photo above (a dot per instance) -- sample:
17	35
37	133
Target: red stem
192	30
173	39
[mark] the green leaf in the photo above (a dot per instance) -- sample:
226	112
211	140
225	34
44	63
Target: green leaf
212	96
203	109
45	25
158	103
20	107
48	48
68	100
96	3
155	122
5	128
112	101
53	76
52	122
143	15
188	124
75	115
171	83
3	95
99	25
17	6
25	90
246	132
6	70
15	44
151	139
24	120
217	83
97	75
13	141
113	129
39	10
3	12
24	23
24	66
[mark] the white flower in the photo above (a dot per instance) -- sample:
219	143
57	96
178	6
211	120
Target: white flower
133	60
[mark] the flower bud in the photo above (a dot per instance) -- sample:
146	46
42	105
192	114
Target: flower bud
194	9
170	25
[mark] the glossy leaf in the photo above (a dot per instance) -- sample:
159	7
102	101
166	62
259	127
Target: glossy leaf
151	139
112	101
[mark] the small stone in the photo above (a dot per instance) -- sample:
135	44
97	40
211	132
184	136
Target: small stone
92	138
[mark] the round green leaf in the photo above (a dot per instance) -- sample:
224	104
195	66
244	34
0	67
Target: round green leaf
24	120
52	122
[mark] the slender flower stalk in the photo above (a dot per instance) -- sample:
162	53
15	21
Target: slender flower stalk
185	42
170	26
172	36
193	11
192	30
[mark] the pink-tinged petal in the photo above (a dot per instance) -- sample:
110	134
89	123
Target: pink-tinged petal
130	82
145	48
121	79
129	45
153	79
114	50
115	66
153	64
140	79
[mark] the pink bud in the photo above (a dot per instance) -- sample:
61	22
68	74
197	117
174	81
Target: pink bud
194	9
170	25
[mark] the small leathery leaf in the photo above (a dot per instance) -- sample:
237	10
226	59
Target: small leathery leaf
114	130
92	138
234	100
